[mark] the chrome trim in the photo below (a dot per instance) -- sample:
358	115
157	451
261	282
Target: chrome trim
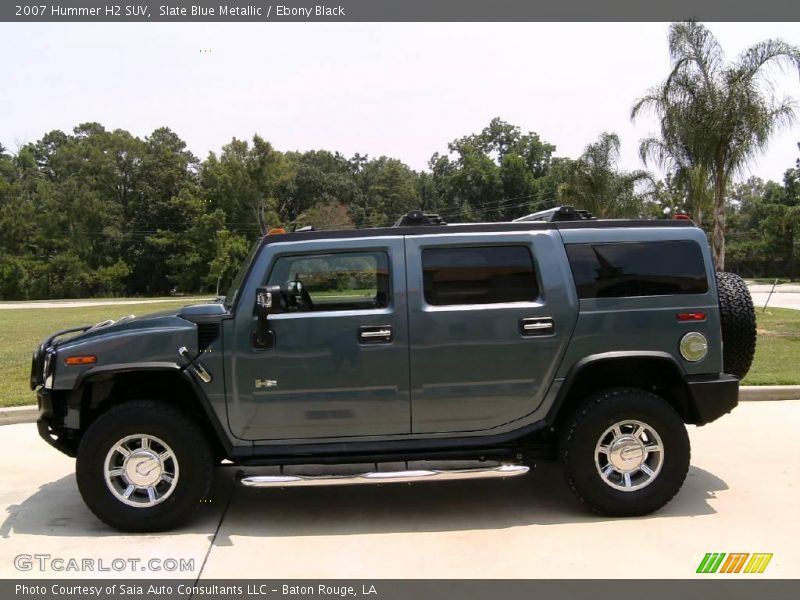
383	333
382	477
693	346
204	375
48	368
141	470
537	326
534	326
101	324
199	369
629	455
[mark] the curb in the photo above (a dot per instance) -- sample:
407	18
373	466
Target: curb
769	392
747	393
18	414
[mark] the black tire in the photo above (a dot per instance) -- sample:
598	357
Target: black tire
738	324
191	452
583	430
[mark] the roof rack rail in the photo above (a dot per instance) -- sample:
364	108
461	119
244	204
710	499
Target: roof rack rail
415	218
559	213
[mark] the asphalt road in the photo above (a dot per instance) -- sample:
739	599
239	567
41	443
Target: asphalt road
740	496
784	296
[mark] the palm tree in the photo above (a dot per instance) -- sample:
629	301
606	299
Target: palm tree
715	117
596	184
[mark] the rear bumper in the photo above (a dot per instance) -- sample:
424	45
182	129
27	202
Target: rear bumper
710	398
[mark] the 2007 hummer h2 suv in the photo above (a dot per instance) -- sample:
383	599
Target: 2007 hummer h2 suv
427	351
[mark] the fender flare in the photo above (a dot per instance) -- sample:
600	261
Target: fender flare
594	359
170	367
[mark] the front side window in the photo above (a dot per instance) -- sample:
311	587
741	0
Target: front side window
338	281
479	275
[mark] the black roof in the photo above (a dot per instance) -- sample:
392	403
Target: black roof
472	228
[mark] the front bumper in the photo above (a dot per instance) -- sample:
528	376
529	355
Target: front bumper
712	397
51	423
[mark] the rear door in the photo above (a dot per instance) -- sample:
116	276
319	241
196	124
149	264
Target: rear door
339	364
489	316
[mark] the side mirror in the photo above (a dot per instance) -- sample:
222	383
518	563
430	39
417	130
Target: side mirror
263	301
269	300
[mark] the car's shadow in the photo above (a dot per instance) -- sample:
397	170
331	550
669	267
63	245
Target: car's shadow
540	498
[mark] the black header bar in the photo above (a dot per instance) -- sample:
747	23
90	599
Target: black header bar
398	10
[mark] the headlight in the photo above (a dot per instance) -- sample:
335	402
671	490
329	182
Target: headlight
694	346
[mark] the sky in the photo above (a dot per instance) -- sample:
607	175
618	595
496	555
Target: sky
397	89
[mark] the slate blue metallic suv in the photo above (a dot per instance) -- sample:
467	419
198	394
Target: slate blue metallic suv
419	352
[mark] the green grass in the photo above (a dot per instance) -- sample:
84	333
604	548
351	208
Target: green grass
777	353
21	330
778	348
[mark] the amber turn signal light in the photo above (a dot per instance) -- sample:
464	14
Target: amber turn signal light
73	361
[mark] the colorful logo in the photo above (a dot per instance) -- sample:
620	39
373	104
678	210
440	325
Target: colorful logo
735	562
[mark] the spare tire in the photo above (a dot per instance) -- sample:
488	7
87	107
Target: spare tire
738	324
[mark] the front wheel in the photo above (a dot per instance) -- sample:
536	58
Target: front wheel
625	452
143	466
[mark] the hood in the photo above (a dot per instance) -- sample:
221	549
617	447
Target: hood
168	319
153	339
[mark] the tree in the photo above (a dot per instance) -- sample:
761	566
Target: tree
596	184
388	190
244	182
493	175
715	117
317	177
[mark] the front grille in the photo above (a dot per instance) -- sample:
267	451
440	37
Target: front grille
207	333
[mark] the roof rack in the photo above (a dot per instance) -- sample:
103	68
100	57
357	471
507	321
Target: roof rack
415	218
559	213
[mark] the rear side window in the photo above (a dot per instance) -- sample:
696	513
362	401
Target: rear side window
478	275
637	269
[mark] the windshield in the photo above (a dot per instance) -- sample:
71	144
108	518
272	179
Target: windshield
233	291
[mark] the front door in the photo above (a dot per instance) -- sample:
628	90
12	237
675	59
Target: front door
338	366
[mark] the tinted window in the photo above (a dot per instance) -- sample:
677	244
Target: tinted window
341	281
637	269
479	275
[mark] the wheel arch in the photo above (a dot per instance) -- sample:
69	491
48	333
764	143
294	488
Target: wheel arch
657	372
98	389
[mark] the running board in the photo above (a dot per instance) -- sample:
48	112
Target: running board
382	477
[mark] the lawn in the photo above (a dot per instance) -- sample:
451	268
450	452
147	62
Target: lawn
776	361
21	330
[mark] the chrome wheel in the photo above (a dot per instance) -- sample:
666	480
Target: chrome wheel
629	455
141	470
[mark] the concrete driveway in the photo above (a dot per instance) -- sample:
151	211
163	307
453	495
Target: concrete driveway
740	496
786	295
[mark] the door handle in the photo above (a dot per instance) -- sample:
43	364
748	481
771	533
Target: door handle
380	334
536	326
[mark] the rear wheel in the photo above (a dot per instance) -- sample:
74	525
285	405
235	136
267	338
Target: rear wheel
144	466
625	452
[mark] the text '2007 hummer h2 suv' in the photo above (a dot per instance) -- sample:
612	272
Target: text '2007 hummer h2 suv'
425	351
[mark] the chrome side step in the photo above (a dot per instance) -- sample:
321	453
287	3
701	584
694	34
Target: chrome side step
382	477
